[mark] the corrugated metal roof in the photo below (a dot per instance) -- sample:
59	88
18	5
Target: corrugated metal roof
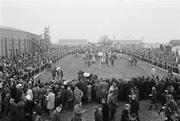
10	28
13	29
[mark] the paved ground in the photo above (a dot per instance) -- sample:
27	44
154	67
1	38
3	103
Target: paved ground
122	69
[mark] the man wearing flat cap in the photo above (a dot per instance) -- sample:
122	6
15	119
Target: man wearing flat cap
125	116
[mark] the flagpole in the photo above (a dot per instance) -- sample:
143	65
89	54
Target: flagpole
100	62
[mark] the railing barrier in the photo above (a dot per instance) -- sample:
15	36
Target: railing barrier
153	62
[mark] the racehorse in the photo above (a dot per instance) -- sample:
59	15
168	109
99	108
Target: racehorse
59	73
133	61
87	59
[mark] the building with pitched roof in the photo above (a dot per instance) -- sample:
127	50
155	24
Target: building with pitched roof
15	42
73	42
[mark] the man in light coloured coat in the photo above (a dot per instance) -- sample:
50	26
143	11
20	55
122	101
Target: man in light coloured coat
50	102
78	94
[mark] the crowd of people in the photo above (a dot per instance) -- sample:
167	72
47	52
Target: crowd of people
27	101
17	66
166	58
30	100
104	57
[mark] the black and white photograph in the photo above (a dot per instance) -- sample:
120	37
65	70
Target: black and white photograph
89	60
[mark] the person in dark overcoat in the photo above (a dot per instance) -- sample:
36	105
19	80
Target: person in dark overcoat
134	107
13	92
20	108
13	110
105	110
153	96
125	115
56	116
29	106
63	97
69	98
97	114
112	103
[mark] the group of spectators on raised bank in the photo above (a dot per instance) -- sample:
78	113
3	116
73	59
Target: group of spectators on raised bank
16	67
161	56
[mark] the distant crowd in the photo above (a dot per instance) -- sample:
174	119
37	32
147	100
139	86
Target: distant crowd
15	67
167	58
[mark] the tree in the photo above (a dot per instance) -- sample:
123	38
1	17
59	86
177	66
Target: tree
161	47
168	49
105	41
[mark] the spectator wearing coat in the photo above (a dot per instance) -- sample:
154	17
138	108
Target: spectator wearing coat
56	116
105	110
13	92
58	100
134	107
78	94
153	98
13	110
42	92
35	91
50	102
38	111
97	114
89	92
98	91
78	111
6	104
69	98
20	108
112	103
63	97
125	115
29	106
171	108
30	92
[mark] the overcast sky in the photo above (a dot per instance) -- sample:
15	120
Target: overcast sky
155	20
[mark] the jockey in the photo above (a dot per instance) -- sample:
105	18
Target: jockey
153	71
93	58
